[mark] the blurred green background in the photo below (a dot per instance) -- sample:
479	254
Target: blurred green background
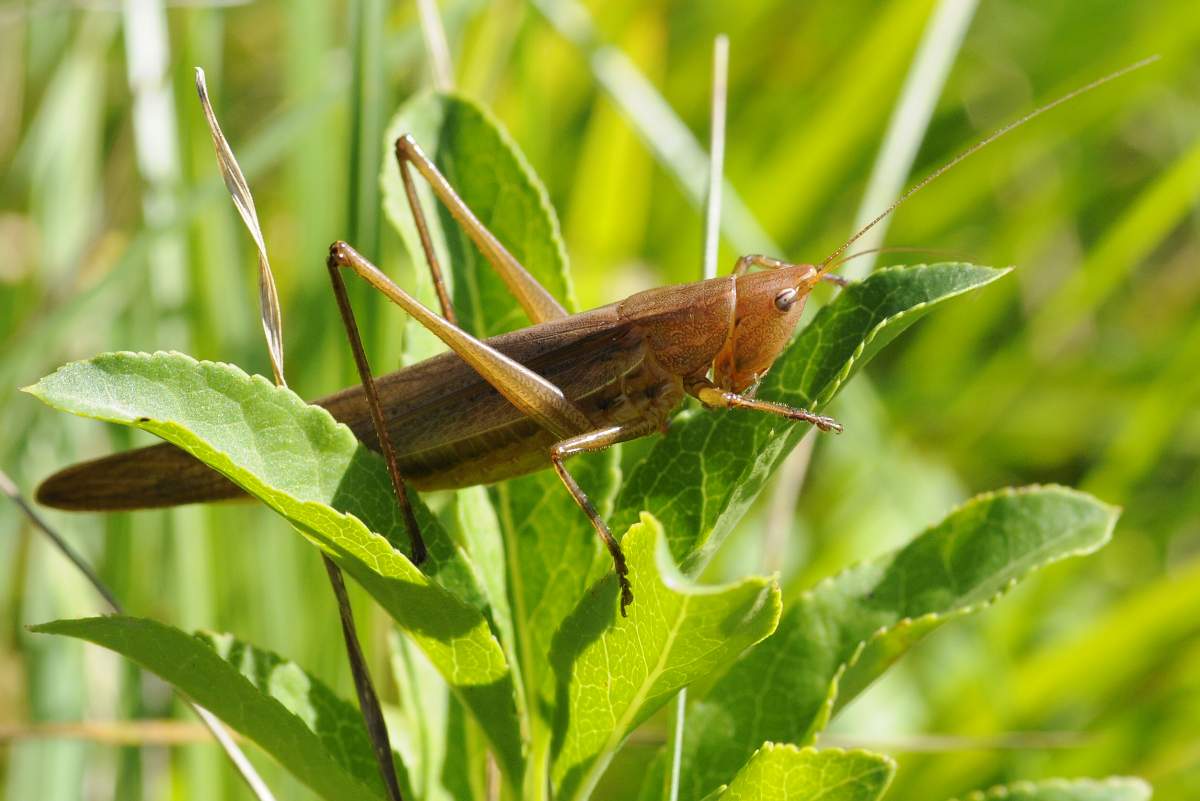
1081	368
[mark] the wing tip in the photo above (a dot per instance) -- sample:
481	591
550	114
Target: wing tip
156	477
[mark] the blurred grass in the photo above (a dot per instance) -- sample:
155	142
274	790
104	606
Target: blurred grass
1081	369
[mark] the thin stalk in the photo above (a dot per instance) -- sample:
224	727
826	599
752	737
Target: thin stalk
9	488
240	762
367	104
677	744
368	699
716	151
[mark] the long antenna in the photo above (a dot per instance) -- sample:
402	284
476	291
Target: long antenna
987	140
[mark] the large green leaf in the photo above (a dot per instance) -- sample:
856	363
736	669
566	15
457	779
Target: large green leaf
702	476
788	773
295	718
1117	788
310	469
837	638
613	672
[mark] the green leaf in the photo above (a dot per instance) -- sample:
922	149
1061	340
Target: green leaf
1117	788
295	718
488	172
788	773
703	475
837	638
313	472
613	672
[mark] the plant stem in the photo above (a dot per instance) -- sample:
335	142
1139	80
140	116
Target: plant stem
712	241
367	698
673	144
677	743
716	155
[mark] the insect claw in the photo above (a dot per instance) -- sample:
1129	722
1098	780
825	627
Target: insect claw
622	571
626	593
820	421
419	552
829	424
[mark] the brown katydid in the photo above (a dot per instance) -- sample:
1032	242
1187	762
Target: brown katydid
493	409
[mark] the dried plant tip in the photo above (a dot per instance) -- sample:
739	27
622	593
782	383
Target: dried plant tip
239	190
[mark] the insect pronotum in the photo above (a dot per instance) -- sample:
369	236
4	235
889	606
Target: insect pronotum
493	409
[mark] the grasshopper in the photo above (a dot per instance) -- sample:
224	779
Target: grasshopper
489	410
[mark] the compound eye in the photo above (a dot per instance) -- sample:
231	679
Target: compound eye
785	299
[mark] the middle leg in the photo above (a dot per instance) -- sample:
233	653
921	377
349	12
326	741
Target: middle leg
598	440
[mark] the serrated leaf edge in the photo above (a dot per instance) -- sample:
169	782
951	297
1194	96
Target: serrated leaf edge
825	713
675	581
769	747
153	426
843	374
302	407
1002	791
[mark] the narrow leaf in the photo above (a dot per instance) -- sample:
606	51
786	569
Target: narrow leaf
304	725
788	773
709	468
837	638
1116	788
613	672
311	470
